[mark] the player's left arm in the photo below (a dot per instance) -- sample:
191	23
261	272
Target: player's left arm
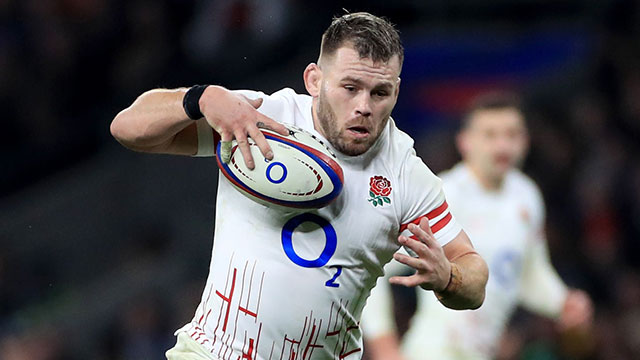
544	292
455	272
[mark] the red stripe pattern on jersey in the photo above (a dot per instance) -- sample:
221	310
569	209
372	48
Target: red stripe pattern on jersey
432	215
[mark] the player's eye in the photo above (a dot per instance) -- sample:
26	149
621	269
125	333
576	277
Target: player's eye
350	88
490	134
380	93
514	133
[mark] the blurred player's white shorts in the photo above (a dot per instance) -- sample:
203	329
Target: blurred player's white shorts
188	349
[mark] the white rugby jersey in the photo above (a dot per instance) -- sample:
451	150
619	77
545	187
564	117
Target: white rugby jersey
506	229
289	284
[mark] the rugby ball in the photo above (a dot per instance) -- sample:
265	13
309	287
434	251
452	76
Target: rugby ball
303	173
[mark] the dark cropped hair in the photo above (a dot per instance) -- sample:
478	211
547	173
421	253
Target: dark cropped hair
372	37
498	100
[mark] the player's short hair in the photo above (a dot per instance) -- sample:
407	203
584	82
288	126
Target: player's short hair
498	100
372	37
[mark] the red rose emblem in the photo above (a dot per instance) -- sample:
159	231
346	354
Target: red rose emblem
380	186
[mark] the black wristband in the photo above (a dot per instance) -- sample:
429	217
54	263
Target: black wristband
191	101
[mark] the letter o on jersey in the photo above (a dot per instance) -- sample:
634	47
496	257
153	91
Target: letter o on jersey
331	240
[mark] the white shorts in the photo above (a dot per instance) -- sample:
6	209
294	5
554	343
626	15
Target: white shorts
188	349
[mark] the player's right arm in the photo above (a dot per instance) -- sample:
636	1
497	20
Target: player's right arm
156	122
443	255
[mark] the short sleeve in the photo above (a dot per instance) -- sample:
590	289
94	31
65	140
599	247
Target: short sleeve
274	106
422	197
207	139
279	106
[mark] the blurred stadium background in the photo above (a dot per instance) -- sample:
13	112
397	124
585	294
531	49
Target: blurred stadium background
104	252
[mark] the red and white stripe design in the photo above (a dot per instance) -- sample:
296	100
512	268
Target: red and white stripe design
438	219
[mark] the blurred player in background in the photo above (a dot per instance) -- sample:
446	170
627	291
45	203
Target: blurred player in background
265	298
503	211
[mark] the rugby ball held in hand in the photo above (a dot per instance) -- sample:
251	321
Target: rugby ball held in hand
303	173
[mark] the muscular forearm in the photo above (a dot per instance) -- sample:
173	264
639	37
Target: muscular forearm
384	347
466	287
154	122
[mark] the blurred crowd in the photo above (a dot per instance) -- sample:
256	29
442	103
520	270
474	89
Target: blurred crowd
109	243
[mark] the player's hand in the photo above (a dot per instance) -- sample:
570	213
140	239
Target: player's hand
234	116
577	312
433	269
577	337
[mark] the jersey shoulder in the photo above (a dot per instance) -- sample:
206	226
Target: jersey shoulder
398	147
520	183
458	183
523	187
457	175
409	168
420	190
285	105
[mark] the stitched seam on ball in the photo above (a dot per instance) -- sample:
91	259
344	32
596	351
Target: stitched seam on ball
318	187
233	161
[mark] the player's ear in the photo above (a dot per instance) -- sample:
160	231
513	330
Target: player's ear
462	142
312	78
526	143
397	91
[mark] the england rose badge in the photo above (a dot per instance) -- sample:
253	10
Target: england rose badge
379	190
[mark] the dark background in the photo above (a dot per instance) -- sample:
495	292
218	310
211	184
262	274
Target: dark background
104	252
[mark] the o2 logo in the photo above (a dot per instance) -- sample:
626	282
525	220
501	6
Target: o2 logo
506	268
331	242
270	168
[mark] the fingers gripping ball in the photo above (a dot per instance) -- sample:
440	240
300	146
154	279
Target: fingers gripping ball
303	173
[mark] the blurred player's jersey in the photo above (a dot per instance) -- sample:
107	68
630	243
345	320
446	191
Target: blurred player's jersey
288	284
506	228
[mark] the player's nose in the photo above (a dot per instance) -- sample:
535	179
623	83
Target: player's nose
363	105
503	143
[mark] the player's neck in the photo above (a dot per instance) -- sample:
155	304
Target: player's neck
490	183
314	118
